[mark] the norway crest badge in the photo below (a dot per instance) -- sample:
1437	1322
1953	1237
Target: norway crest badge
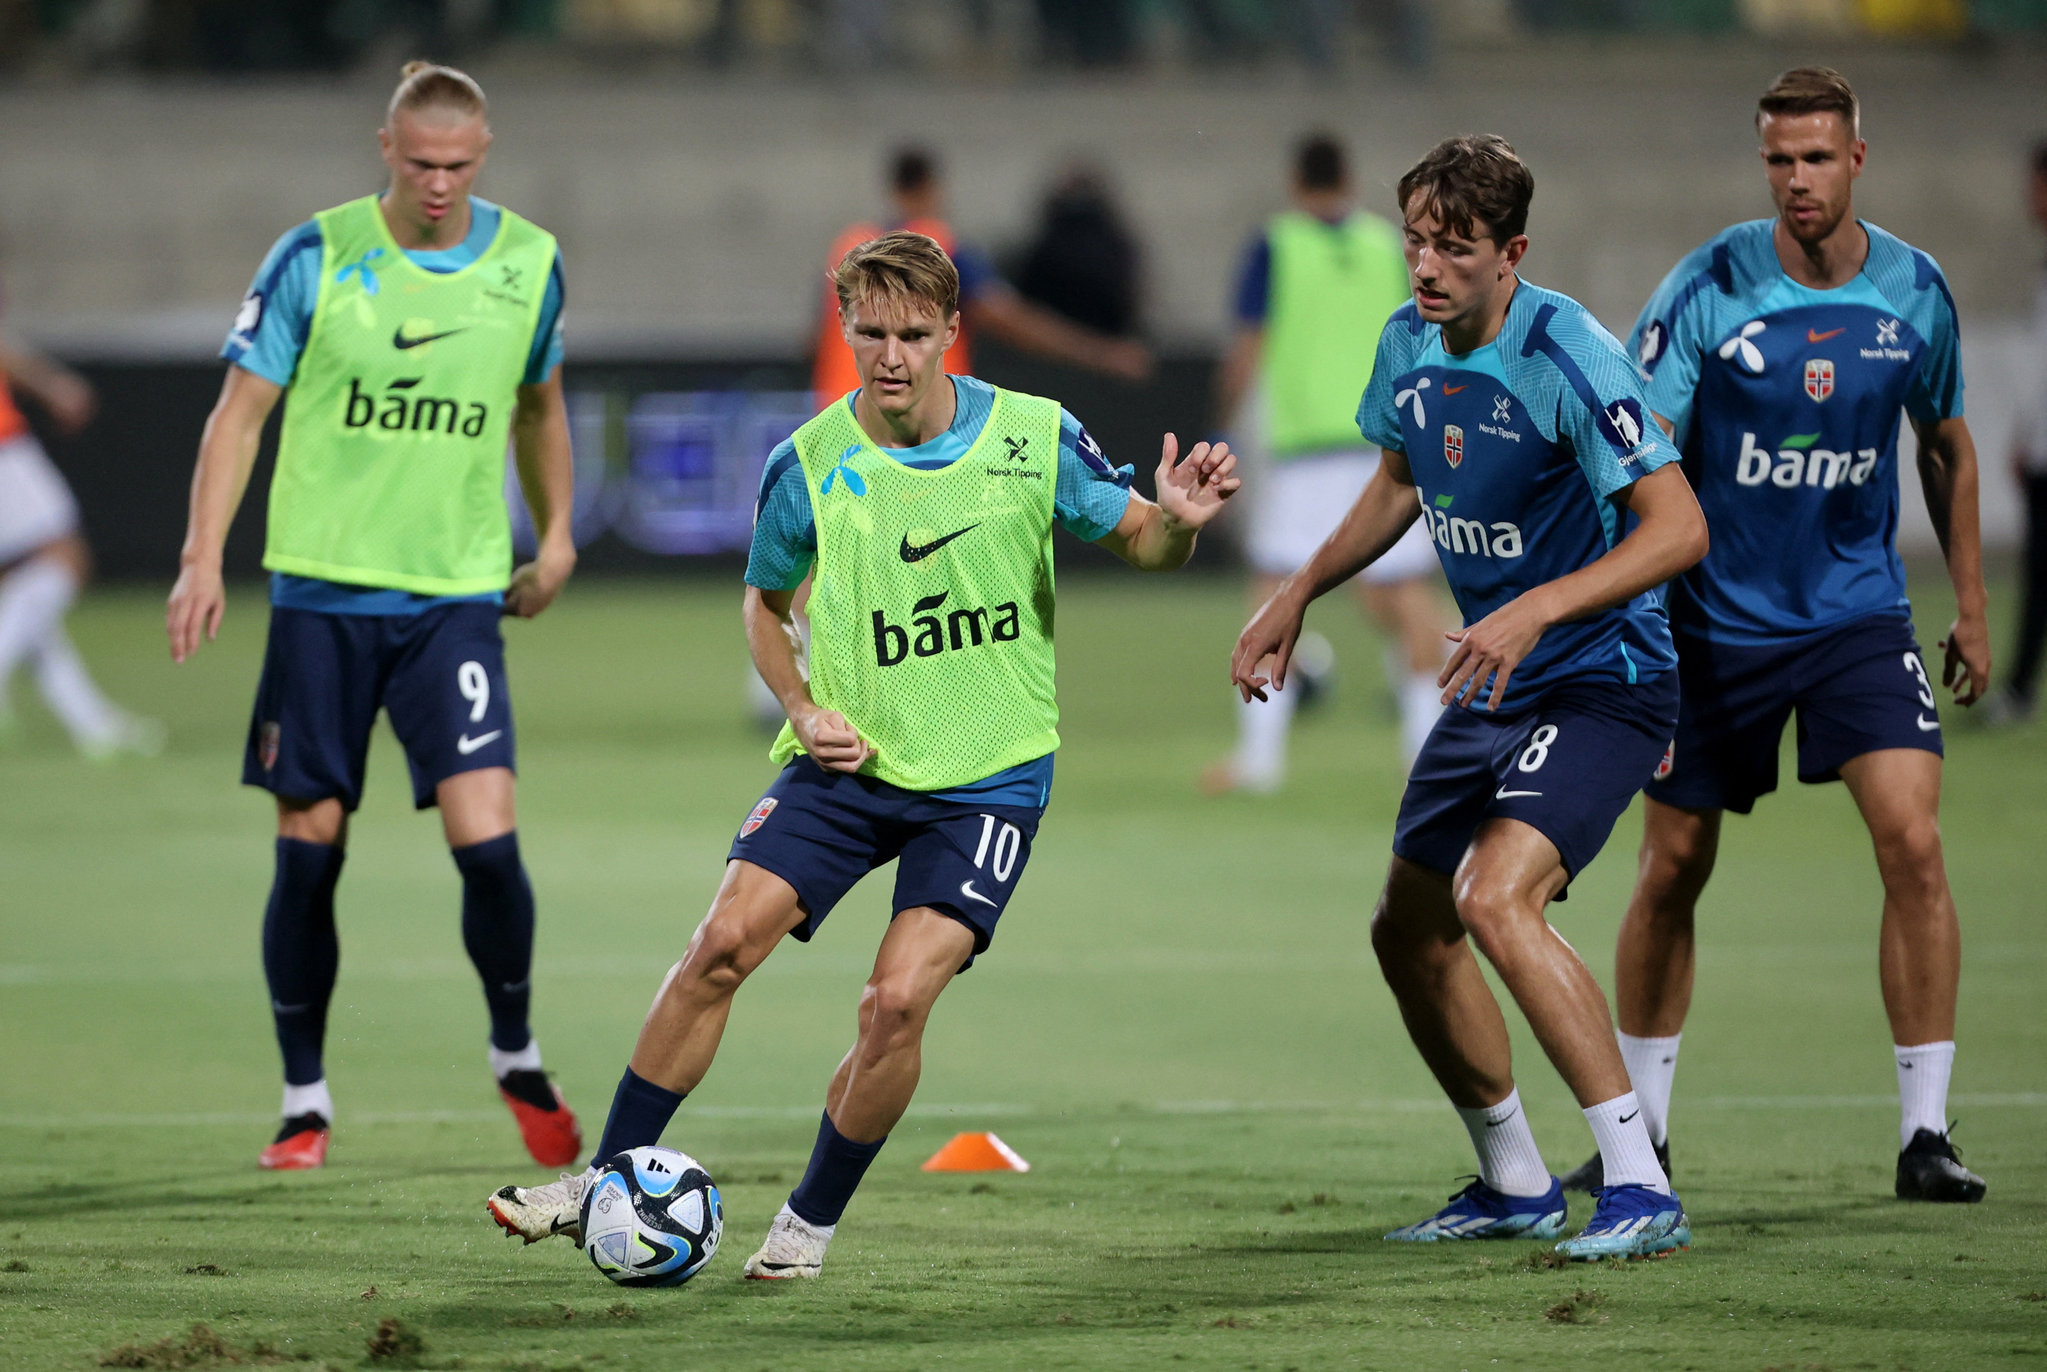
1819	377
759	816
1453	445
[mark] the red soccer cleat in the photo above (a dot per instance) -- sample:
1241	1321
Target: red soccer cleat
300	1146
546	1123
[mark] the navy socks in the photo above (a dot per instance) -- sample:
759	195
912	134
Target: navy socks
497	929
836	1166
640	1110
301	953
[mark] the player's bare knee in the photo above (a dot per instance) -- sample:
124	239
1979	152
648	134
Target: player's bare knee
721	955
892	1016
1491	914
1909	858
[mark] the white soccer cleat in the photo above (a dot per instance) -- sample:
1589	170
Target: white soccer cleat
534	1213
794	1248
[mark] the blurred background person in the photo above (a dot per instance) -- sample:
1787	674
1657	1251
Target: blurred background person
1083	261
1316	288
44	561
2014	704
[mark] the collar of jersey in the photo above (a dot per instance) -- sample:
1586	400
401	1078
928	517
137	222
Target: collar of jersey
1787	294
1484	359
485	219
935	454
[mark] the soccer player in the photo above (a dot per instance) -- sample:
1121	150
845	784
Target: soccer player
1779	355
416	330
925	732
44	561
1513	425
1315	290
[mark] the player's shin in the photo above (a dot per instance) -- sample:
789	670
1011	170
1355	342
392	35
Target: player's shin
640	1110
497	930
301	953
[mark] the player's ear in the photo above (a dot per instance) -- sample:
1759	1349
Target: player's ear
1516	247
952	328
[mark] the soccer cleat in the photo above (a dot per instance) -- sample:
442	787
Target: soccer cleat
300	1145
1631	1221
1929	1169
1480	1212
546	1123
1589	1175
534	1213
794	1247
126	735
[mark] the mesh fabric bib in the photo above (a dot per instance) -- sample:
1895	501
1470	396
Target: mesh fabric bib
1333	288
931	603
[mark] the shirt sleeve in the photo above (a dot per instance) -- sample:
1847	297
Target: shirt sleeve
1936	392
1254	282
1378	417
1603	411
1090	496
976	269
547	336
1669	339
270	329
784	531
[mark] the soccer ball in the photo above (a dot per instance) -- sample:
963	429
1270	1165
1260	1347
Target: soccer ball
651	1217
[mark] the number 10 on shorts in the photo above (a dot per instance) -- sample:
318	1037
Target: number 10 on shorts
1007	841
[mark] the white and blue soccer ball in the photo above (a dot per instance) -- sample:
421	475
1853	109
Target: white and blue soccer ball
651	1217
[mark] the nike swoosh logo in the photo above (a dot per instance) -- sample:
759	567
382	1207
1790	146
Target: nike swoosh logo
1494	1124
556	1224
1812	336
401	342
1454	390
967	890
1625	1118
917	552
466	745
1927	726
1504	794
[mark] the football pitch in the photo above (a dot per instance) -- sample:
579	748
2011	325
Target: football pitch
1180	1026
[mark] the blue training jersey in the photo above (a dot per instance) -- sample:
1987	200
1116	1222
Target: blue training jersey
1785	401
1517	450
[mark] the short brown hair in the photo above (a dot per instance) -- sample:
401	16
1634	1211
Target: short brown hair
1469	181
427	86
1812	90
899	268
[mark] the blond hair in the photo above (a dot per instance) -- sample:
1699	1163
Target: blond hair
1812	90
428	86
899	268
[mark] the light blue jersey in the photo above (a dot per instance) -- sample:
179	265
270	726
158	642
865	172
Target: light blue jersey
1088	500
269	335
1785	401
1518	449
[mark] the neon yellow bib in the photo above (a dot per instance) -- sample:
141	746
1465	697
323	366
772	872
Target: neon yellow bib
391	466
931	603
1333	288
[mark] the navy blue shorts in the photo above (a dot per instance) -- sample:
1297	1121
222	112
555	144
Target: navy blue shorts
440	675
1858	688
1567	766
822	831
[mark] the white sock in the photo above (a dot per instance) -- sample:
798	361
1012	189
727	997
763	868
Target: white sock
1262	728
1623	1139
1421	705
1923	1073
88	716
33	599
1652	1067
308	1100
527	1059
1508	1160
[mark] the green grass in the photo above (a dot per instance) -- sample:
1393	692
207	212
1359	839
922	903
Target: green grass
1180	1026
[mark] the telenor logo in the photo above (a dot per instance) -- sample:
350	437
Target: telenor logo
917	552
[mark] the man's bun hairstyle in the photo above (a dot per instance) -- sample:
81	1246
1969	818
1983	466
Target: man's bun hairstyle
424	86
1476	184
1812	90
899	268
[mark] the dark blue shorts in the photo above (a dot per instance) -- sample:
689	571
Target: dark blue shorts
1858	688
440	676
1568	766
822	831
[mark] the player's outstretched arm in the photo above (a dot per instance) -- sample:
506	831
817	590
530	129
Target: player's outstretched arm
1948	476
776	646
1383	510
63	393
1160	538
1000	312
227	454
547	477
1670	537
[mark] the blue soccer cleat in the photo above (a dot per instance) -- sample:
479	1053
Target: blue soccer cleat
1632	1221
1480	1212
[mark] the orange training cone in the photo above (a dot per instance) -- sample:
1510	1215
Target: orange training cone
976	1153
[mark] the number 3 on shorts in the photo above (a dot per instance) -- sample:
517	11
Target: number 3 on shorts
1918	671
1008	842
474	684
